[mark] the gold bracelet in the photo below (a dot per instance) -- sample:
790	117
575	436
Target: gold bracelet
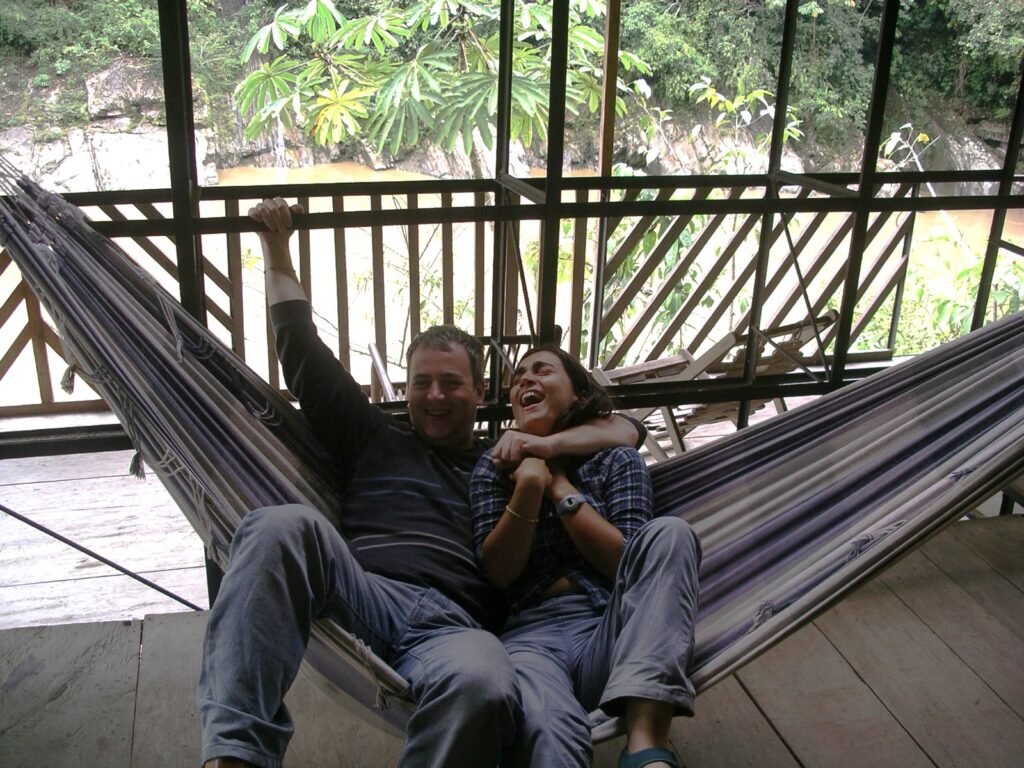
521	517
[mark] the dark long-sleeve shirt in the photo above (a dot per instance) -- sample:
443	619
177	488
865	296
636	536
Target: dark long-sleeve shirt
405	504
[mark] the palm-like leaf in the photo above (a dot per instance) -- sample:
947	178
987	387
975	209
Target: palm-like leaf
285	25
406	102
265	92
321	19
381	31
338	112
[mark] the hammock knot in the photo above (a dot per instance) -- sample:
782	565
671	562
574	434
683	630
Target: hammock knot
367	656
137	467
67	381
765	611
866	541
960	474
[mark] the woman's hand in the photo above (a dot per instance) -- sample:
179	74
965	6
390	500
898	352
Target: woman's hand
533	471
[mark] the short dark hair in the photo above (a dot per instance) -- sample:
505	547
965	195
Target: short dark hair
594	400
444	337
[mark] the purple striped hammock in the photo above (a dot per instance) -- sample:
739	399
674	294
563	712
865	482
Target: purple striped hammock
792	513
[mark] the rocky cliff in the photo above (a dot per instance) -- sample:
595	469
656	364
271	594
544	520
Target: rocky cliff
124	146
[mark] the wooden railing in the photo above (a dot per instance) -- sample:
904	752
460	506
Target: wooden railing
381	261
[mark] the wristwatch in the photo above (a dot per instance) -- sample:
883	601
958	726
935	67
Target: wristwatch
569	504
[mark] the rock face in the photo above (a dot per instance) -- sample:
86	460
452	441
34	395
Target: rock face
126	89
125	146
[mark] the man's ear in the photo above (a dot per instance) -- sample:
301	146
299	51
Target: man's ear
480	393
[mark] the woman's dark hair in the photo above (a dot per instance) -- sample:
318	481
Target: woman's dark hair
594	401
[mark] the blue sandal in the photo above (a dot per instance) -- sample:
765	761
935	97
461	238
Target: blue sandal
646	757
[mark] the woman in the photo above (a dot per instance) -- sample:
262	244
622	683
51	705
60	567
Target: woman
602	599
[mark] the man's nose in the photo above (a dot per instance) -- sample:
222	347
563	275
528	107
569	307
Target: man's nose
435	390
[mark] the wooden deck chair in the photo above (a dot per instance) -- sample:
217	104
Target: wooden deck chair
780	350
662	425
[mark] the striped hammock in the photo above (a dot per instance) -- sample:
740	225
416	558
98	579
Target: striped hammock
792	513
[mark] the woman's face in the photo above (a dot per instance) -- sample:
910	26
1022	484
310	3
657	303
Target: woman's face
541	392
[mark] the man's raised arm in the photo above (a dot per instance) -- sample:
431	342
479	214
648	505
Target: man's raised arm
282	282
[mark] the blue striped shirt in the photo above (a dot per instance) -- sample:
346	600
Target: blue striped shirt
614	481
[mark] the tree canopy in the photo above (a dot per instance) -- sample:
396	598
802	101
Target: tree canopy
426	70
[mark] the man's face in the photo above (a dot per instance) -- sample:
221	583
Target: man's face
442	396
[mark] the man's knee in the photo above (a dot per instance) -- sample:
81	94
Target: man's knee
482	671
278	524
283	533
283	518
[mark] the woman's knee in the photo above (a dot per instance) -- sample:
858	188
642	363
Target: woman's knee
670	535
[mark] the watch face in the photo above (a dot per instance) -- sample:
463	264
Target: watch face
569	504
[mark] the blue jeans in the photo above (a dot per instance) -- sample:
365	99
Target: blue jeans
289	566
571	657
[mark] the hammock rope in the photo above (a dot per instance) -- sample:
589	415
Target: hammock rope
792	513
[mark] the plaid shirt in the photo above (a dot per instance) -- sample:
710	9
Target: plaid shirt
615	482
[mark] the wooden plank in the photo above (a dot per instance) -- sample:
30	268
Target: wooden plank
479	269
413	237
447	265
991	650
166	717
341	275
305	270
950	712
328	734
1001	551
72	467
169	671
709	740
823	710
67	695
233	243
986	586
104	598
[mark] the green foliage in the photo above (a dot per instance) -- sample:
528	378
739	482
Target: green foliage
968	50
423	73
61	42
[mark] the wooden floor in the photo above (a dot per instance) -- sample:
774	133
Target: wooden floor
93	500
920	667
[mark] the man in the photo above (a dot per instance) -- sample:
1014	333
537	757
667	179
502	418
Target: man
403	579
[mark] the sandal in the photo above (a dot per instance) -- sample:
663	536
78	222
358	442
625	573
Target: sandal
646	757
